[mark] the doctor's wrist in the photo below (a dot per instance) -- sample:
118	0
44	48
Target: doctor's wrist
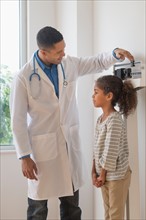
24	157
114	54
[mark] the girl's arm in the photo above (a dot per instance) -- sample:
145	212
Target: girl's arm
94	175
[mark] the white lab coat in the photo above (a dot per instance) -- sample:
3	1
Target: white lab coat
52	134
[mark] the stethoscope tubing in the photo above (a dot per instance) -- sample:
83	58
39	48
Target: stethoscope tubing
39	78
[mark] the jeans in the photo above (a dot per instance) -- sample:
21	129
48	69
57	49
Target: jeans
69	209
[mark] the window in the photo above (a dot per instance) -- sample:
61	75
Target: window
11	23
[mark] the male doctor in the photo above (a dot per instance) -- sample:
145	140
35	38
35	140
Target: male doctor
48	144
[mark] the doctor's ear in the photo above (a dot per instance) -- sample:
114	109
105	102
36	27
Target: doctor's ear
43	52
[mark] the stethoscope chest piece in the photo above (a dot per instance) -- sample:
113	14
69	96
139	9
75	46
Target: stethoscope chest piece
65	83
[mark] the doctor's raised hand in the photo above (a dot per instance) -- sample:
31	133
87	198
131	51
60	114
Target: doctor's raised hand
122	54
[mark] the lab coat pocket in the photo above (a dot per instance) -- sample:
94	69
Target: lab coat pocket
44	147
75	139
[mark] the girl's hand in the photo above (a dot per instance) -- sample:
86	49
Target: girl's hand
96	180
101	179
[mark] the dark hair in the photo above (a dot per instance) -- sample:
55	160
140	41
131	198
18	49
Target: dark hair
124	93
47	37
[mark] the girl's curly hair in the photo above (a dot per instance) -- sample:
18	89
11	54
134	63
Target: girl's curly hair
124	93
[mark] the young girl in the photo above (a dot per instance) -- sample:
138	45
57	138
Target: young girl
110	169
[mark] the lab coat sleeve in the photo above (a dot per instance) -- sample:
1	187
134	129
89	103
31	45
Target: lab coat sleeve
18	110
94	64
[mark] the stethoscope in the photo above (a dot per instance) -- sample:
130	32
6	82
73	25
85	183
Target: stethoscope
35	74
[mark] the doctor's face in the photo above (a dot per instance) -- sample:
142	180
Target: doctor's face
53	55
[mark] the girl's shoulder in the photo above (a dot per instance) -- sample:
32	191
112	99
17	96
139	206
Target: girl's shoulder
115	118
116	115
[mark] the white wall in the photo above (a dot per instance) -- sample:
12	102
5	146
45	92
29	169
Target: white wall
13	188
39	14
85	48
66	22
88	27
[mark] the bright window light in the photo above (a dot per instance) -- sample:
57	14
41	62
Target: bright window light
10	34
9	63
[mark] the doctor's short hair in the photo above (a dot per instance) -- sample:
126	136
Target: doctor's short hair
47	37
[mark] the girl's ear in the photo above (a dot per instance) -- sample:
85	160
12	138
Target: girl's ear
109	96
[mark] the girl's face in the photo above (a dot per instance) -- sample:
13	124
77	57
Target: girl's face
99	98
